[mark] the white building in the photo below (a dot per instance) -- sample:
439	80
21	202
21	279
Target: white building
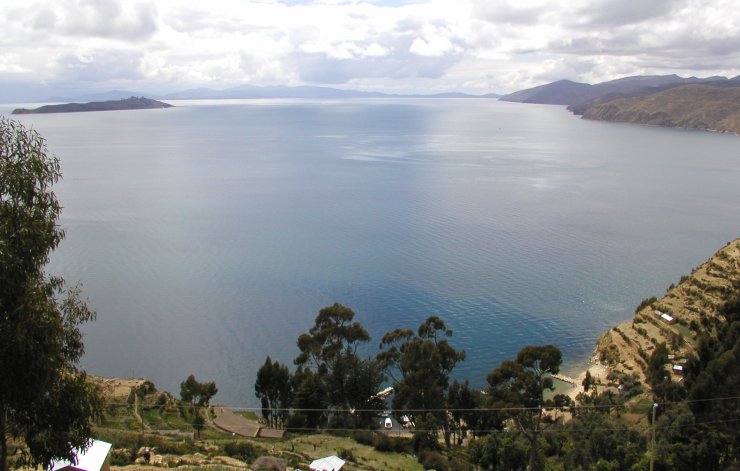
330	463
95	458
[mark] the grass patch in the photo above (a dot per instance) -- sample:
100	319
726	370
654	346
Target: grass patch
687	335
316	446
641	406
249	415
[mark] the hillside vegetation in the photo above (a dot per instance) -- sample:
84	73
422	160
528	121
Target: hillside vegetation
711	103
695	303
688	106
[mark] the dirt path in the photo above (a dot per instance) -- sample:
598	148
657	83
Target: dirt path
226	420
136	412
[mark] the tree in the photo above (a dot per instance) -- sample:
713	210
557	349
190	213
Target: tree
329	349
44	398
463	403
197	393
518	387
597	439
702	434
273	388
198	423
332	334
586	383
425	363
309	398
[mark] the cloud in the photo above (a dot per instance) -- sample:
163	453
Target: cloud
99	66
504	11
318	68
110	19
611	13
434	41
390	44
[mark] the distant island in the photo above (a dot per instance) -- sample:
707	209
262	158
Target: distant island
711	103
132	103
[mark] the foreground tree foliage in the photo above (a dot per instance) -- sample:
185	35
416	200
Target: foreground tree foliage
44	398
425	362
703	433
273	390
331	374
518	387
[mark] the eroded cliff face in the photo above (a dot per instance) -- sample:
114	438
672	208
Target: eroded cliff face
689	106
687	310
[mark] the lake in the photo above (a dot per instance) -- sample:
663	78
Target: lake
208	236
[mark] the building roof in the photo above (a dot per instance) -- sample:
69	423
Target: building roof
330	463
91	459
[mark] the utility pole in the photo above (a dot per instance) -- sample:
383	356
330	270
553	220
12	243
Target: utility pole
652	446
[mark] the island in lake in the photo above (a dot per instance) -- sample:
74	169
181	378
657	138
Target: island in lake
132	103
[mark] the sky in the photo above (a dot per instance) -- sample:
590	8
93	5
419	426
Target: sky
64	47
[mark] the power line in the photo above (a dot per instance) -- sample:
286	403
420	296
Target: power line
489	431
408	411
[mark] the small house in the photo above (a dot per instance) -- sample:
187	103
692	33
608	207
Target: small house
95	458
678	369
668	319
330	463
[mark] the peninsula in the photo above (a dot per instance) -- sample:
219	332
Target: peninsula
711	103
132	103
692	106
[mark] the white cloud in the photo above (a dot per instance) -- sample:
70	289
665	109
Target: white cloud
434	41
427	45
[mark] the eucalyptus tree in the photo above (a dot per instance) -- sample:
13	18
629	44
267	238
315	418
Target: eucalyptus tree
330	351
45	399
273	388
195	392
420	366
517	388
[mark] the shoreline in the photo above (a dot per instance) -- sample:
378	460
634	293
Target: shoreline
598	371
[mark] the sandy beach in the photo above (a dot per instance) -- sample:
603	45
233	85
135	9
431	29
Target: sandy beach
598	373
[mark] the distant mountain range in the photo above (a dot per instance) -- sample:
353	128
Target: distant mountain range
666	100
255	92
567	92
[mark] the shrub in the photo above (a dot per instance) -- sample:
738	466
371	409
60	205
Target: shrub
385	443
363	437
346	455
162	400
242	450
433	460
645	303
120	458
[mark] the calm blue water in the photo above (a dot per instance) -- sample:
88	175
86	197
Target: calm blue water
209	235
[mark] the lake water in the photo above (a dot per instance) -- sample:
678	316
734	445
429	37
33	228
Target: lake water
208	236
